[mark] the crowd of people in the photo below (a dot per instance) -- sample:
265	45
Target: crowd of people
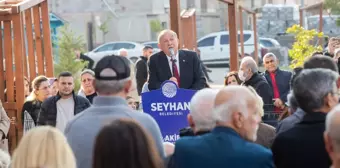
268	119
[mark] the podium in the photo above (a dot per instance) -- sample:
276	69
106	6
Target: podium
26	49
169	106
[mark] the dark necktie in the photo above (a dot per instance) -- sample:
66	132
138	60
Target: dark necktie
175	70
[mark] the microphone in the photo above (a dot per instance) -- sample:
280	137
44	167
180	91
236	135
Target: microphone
172	51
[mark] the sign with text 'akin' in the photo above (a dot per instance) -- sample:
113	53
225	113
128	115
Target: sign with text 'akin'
169	106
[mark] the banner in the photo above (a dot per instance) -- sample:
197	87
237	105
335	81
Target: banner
169	106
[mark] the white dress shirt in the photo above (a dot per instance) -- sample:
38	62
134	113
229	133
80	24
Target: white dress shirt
177	63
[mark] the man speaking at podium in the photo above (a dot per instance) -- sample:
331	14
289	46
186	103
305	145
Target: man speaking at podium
180	66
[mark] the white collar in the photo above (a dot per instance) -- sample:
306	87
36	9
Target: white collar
176	57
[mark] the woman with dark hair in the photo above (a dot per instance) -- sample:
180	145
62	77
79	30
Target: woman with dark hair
125	144
232	79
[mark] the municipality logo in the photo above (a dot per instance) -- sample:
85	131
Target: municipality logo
169	90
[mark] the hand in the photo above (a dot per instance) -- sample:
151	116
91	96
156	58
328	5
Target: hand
174	80
278	103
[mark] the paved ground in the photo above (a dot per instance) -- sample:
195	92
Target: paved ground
217	75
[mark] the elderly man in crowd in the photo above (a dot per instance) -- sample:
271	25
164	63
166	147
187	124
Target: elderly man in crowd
237	120
87	89
332	136
316	92
250	76
278	80
200	117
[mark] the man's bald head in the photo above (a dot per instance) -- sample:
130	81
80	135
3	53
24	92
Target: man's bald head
237	107
233	98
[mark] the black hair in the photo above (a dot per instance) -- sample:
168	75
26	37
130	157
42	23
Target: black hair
65	74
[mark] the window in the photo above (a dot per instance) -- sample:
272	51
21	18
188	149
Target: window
207	42
267	43
124	45
204	5
225	38
106	47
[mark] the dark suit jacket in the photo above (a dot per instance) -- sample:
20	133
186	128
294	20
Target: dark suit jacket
283	82
190	69
221	148
302	146
141	73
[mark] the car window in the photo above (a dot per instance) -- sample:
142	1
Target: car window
106	47
225	38
153	45
124	45
207	42
267	43
246	37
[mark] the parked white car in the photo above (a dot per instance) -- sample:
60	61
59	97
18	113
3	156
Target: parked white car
215	48
134	49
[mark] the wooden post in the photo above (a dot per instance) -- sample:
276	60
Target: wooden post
47	38
29	37
188	23
38	42
19	72
255	39
2	78
233	61
240	10
175	18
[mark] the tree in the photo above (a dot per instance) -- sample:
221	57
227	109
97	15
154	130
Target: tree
156	26
302	47
104	27
68	42
333	6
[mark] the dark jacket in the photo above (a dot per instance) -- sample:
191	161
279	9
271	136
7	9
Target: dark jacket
221	148
33	108
141	73
263	89
290	121
303	145
283	82
48	112
190	69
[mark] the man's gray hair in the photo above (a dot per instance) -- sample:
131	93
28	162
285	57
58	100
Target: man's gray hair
333	126
312	85
163	32
110	86
269	55
201	109
87	71
239	102
250	63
